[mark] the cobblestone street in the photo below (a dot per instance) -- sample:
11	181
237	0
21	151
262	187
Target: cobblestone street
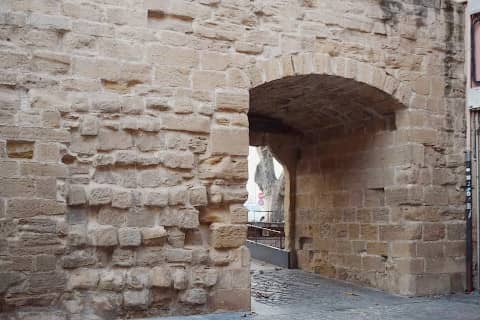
281	294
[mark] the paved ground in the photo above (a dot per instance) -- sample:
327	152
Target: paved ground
293	294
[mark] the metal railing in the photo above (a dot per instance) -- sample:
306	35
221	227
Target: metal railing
266	236
270	214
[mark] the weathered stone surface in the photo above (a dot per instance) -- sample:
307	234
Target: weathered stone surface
99	195
124	129
122	199
79	258
232	101
136	299
89	126
198	196
103	236
22	208
227	236
138	278
157	198
83	279
186	123
123	257
183	217
112	216
20	149
204	277
177	196
229	141
180	280
129	237
194	296
176	237
154	236
150	256
76	195
178	160
407	232
239	214
112	140
178	255
161	277
45	263
9	279
113	280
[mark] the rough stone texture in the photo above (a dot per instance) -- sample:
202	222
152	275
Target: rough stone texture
116	114
227	236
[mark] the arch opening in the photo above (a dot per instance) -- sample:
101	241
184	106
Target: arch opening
314	104
335	137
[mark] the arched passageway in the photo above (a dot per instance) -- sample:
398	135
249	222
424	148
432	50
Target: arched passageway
336	138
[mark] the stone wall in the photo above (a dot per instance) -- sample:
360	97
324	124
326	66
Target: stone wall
372	208
124	135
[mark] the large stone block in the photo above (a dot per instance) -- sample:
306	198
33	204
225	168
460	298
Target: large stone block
232	299
157	198
150	256
76	195
187	123
122	199
433	231
149	141
204	277
154	236
112	280
208	80
99	195
112	216
43	169
161	277
123	257
194	296
129	237
89	126
186	218
79	258
56	22
172	76
180	279
181	160
83	279
404	195
198	196
22	208
137	299
15	187
176	237
232	101
111	140
9	279
229	141
401	232
20	149
173	56
177	196
178	255
227	235
238	214
45	263
103	236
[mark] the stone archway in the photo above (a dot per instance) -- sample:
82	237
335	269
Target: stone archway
335	131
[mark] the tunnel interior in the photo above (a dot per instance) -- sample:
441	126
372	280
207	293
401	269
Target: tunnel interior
336	138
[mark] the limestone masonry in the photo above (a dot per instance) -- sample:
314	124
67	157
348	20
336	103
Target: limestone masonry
124	134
